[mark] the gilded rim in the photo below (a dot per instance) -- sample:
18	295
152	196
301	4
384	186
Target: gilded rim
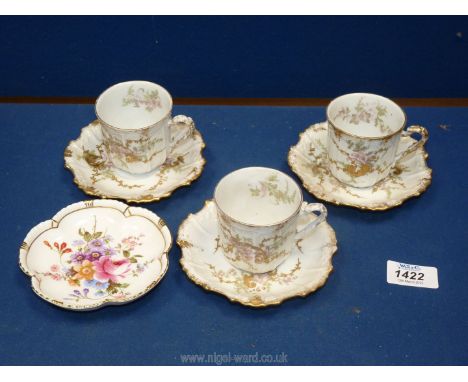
168	114
426	182
260	225
98	194
108	301
253	303
384	137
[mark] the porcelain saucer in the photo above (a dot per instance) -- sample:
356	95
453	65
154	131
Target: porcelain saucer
304	271
308	159
94	173
96	253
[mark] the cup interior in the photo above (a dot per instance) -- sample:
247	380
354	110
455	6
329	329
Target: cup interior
133	105
366	115
258	196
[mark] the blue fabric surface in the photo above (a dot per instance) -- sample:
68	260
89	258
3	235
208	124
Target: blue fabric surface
236	56
356	318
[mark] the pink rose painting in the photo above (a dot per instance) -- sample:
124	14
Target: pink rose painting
107	269
96	266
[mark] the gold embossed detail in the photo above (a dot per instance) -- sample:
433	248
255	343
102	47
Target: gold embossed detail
237	248
318	168
161	223
143	149
24	246
245	282
360	159
243	249
89	203
102	169
94	159
355	170
184	244
298	245
255	301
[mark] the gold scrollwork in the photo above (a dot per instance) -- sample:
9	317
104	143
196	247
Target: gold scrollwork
320	171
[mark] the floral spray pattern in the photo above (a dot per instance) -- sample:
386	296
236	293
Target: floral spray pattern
255	282
142	98
365	112
270	187
96	266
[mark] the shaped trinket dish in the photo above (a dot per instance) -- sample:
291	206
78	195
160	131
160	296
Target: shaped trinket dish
95	174
304	271
96	253
409	177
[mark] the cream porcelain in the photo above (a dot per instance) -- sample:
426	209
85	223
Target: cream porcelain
96	253
95	174
364	132
133	105
309	160
258	196
366	115
258	217
303	272
137	125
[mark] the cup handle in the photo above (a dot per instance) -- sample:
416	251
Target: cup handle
310	208
181	128
422	131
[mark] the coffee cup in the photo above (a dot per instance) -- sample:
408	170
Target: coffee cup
258	212
364	132
136	124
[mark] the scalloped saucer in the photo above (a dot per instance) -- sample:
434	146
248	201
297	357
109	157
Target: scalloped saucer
96	253
304	271
308	158
94	173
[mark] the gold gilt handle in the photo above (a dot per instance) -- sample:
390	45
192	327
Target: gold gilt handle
312	209
181	127
422	131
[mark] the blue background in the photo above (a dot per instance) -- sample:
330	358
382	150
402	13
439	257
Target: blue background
356	318
236	56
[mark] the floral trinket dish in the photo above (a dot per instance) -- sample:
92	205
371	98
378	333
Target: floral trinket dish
409	177
305	270
96	253
96	175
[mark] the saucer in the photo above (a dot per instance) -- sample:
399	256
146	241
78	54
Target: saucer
94	173
308	159
96	253
303	272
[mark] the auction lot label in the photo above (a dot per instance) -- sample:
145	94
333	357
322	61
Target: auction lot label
412	275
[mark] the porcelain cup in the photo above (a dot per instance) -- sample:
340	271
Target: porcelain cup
258	212
136	123
364	132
